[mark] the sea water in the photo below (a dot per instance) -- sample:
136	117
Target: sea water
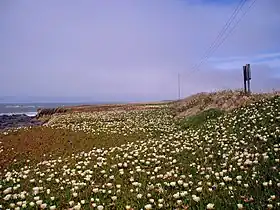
28	109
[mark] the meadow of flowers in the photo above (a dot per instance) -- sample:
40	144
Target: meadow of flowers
117	122
231	162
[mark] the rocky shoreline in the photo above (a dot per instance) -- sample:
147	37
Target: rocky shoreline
18	120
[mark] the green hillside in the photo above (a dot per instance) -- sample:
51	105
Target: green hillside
146	159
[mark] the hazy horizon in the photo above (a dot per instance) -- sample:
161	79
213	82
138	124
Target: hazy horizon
132	50
60	100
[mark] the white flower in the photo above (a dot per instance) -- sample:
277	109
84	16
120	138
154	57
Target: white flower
36	198
7	197
227	179
148	206
176	195
180	182
109	185
199	189
8	190
71	203
100	207
43	206
95	190
185	185
39	202
240	206
179	202
210	206
173	184
195	198
139	196
19	203
35	188
269	206
77	207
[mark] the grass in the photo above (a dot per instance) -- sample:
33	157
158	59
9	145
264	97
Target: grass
145	160
199	119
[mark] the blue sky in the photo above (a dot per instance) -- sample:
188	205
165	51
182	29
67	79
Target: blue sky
132	50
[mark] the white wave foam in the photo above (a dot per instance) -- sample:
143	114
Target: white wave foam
30	106
30	114
20	106
12	106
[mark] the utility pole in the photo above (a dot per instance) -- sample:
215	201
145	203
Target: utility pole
179	87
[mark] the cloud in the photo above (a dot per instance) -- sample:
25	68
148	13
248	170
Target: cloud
131	50
272	60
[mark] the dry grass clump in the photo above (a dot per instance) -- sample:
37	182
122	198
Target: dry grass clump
224	100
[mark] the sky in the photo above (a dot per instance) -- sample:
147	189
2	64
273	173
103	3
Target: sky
133	50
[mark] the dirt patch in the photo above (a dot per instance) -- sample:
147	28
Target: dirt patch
35	144
42	143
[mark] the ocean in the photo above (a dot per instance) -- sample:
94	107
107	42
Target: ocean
28	109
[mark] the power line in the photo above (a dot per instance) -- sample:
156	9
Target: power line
238	21
222	31
215	45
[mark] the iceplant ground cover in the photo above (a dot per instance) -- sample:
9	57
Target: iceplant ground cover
231	162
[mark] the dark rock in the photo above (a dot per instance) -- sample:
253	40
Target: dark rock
20	120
